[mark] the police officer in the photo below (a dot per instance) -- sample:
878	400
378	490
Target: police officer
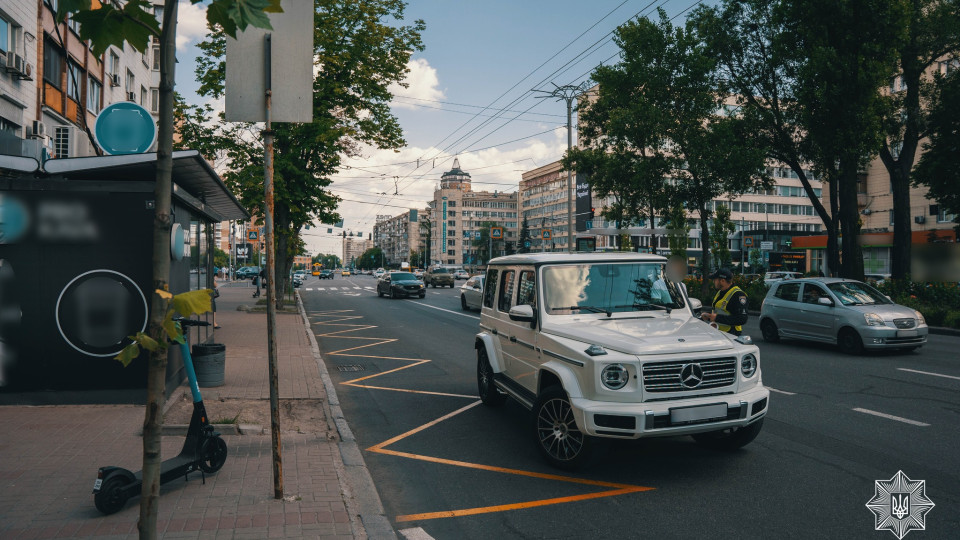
729	304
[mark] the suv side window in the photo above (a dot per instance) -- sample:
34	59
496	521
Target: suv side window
490	287
528	288
506	291
788	291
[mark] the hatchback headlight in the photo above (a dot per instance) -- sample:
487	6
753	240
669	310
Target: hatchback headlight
748	365
920	319
614	376
873	319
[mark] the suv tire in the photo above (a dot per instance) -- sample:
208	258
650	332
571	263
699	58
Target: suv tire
463	303
559	440
729	439
770	332
489	394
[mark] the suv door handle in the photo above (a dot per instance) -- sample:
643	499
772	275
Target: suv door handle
494	331
513	339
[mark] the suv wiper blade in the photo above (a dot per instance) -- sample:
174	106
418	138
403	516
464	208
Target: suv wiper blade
591	309
654	306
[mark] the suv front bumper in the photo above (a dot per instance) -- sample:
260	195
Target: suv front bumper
669	418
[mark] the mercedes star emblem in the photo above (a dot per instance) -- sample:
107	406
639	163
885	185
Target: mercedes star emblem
691	375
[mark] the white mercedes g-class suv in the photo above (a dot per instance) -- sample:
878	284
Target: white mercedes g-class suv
607	345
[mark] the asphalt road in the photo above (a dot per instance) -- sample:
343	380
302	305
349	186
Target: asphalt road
406	377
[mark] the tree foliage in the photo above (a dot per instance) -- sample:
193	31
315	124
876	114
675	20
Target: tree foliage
723	227
678	230
939	167
359	50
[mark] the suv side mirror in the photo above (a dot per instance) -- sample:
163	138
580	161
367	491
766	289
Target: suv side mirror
522	312
824	301
696	306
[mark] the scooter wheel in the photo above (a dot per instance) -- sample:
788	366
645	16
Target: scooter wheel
213	454
111	497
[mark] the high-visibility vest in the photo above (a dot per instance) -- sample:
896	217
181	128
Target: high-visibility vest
721	306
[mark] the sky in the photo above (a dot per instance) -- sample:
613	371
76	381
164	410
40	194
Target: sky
470	96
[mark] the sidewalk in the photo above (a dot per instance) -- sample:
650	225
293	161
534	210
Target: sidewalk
49	456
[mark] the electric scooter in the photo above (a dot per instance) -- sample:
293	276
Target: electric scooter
203	449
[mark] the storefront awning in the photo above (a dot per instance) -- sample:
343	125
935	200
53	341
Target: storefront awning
190	172
877	239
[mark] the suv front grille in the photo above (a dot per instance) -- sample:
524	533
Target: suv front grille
665	376
905	323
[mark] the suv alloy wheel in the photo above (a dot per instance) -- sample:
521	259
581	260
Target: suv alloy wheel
489	394
559	440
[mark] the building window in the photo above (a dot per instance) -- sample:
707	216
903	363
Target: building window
452	242
61	142
154	100
943	216
131	82
73	25
156	57
114	63
53	64
6	36
891	217
93	95
143	96
74	80
54	4
451	204
452	213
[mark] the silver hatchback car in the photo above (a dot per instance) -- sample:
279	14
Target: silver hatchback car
849	313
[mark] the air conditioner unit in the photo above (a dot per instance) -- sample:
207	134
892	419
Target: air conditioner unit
11	65
114	79
37	130
132	96
920	219
27	73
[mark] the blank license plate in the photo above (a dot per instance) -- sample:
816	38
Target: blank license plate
692	414
906	333
97	483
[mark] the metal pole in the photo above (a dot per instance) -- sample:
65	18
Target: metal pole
570	191
271	307
743	231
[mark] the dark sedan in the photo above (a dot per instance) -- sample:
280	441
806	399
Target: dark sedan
326	274
400	284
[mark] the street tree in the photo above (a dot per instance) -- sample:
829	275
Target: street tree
426	231
360	48
844	51
371	258
933	33
678	229
723	227
524	241
757	72
939	167
483	243
133	22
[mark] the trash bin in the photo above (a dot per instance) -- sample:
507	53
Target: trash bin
209	362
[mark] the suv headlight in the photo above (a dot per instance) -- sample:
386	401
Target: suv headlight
873	319
614	376
748	365
920	319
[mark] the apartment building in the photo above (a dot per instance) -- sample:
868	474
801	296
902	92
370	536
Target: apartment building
353	248
18	76
543	201
458	214
397	236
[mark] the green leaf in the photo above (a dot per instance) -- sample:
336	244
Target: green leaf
128	353
250	12
193	303
146	341
66	7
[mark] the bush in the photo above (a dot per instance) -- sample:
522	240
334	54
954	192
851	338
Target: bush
952	320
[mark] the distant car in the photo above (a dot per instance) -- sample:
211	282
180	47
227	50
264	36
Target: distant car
345	272
379	273
876	279
849	313
773	277
438	276
461	274
400	285
419	273
247	272
471	293
297	280
326	274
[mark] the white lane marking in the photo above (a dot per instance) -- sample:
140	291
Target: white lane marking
929	373
416	533
892	417
358	288
368	288
320	289
781	391
309	289
447	310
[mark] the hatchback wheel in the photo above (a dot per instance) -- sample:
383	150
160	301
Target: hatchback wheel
379	292
559	440
770	332
463	303
393	293
849	341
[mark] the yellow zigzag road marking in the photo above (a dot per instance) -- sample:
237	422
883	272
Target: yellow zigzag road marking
615	489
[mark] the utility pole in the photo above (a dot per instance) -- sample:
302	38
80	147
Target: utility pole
568	93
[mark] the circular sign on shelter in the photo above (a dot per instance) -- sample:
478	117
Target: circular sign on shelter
125	128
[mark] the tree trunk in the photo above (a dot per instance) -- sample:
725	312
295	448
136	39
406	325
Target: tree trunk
833	240
705	250
157	364
852	264
829	222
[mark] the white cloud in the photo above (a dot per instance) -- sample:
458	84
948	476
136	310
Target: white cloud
191	24
422	83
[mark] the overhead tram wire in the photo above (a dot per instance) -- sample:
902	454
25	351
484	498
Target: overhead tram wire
463	105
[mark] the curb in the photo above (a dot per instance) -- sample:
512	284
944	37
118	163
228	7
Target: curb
359	493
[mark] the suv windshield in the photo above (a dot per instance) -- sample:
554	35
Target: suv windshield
439	271
608	288
402	276
854	293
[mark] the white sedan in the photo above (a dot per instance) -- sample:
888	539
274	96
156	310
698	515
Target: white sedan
471	293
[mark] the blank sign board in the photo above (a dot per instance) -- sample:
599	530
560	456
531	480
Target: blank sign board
291	68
